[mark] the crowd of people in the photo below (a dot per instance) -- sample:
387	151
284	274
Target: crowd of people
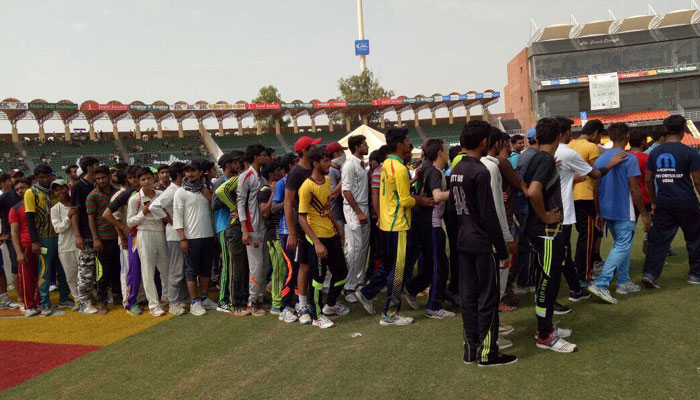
319	229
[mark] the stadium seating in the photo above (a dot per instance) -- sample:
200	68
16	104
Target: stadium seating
60	154
448	133
154	151
233	142
656	115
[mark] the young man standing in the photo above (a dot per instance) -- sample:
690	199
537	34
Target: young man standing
26	258
61	215
337	154
253	226
543	233
637	141
674	169
326	234
479	234
192	218
355	186
72	175
162	209
517	143
618	194
150	236
104	239
83	236
163	178
296	177
270	211
7	200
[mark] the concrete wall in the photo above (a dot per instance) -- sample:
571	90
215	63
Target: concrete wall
518	97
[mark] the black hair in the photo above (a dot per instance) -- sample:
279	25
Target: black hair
394	136
86	162
548	130
120	176
163	167
354	141
432	148
268	168
43	169
592	126
269	151
102	169
120	165
638	138
226	158
473	133
287	161
238	155
5	177
131	170
70	167
495	137
564	124
675	125
175	169
657	134
22	180
514	139
143	171
454	150
618	131
317	154
254	150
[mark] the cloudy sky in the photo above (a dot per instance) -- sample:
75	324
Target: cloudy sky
226	50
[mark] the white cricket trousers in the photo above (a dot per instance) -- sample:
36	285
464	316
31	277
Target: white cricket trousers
256	265
356	247
69	261
153	253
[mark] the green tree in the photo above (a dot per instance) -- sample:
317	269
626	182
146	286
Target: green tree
270	94
364	86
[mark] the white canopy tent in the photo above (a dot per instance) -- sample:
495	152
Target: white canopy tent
375	140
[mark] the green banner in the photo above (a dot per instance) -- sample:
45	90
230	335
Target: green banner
149	107
52	106
361	103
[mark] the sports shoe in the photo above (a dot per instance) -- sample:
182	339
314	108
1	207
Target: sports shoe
66	304
505	329
157	311
337	309
499	360
102	309
208	304
439	314
256	310
30	312
241	312
411	300
76	306
556	344
396	319
8	304
304	314
275	310
503	343
223	307
196	309
560	309
578	296
53	288
520	290
323	322
694	280
350	298
163	303
629	287
649	282
287	316
563	333
88	309
366	303
603	293
46	311
134	310
176	309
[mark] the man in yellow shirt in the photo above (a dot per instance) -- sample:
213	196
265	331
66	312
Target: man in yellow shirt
585	204
326	235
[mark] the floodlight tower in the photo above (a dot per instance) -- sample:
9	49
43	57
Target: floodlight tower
361	34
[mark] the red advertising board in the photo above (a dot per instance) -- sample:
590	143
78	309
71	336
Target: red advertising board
105	107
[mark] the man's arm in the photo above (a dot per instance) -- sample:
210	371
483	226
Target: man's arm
289	216
375	200
403	188
242	193
97	243
265	205
487	210
534	193
134	217
614	160
59	225
178	221
638	201
30	212
76	228
14	228
320	249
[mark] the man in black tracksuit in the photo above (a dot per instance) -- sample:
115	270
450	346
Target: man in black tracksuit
479	234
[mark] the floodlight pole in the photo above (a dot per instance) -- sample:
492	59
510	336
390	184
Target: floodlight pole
361	34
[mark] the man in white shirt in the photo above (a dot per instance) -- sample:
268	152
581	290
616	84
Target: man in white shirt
61	214
162	209
355	187
150	236
192	219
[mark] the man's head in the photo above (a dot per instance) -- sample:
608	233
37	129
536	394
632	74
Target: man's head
176	171
238	161
658	135
548	131
193	171
271	171
531	136
675	125
131	177
593	129
474	136
565	128
59	187
43	175
377	157
119	177
305	144
21	185
287	162
256	154
270	152
619	133
146	179
5	182
163	174
517	142
226	163
102	177
638	139
88	164
72	172
319	160
335	150
497	140
435	151
398	141
358	145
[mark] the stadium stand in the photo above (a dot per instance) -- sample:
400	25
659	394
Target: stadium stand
60	154
155	151
643	116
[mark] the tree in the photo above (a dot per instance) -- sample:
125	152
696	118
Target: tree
363	87
270	94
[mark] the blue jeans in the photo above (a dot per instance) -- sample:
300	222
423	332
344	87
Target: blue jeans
619	257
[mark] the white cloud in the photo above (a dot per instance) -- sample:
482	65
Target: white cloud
106	11
79	26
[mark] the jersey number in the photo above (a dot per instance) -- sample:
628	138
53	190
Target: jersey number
460	202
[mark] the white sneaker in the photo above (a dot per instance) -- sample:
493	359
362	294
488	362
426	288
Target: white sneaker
197	309
396	319
439	314
337	309
157	312
209	304
503	343
30	312
176	309
287	316
411	300
629	287
8	304
323	322
88	309
366	303
304	315
556	344
350	298
563	333
603	293
53	288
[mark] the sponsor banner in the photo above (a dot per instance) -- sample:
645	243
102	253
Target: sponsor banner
362	47
546	83
330	104
52	106
363	103
189	107
13	106
149	107
105	107
386	102
604	91
215	107
263	106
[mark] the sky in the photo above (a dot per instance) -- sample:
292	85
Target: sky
215	50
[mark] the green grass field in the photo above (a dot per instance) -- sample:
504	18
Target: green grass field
646	346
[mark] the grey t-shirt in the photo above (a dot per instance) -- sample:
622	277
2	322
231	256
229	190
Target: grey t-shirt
337	204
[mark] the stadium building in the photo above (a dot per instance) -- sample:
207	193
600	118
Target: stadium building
656	59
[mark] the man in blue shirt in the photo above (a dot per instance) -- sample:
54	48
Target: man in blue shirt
675	170
618	193
288	314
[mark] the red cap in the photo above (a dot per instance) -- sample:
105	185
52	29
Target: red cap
16	172
304	142
332	147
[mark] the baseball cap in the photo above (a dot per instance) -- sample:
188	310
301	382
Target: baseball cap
60	182
225	159
332	147
304	142
531	133
16	172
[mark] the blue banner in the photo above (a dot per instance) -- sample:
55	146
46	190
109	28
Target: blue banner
361	47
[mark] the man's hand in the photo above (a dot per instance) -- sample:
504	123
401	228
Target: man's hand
616	159
579	179
146	209
124	228
505	197
4	237
512	246
79	243
425	201
647	222
342	237
599	223
72	211
272	186
36	247
246	238
552	216
233	214
125	245
653	209
21	259
206	193
97	245
504	264
321	251
362	218
185	247
291	242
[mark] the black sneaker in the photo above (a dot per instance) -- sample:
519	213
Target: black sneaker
560	309
649	282
578	296
469	358
499	360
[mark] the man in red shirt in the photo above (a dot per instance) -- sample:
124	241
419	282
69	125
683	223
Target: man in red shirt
637	141
26	259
